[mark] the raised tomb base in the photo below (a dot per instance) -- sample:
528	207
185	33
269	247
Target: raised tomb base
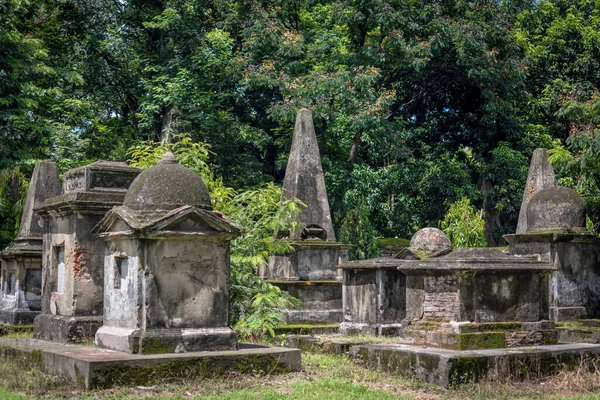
95	367
448	367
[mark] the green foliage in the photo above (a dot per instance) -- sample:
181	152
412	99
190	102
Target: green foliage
256	304
358	231
464	225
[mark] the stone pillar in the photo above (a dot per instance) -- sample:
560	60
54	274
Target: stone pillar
72	273
166	267
20	294
309	272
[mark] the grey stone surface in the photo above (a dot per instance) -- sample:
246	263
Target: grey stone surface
481	284
66	329
74	288
575	258
556	208
451	367
304	180
374	300
45	183
429	240
540	176
161	192
166	266
20	293
92	367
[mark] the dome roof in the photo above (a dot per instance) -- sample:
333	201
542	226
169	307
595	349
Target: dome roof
166	186
430	239
556	208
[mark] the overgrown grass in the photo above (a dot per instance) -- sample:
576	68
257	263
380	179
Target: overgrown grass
324	377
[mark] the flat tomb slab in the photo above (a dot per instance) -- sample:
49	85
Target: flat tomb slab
92	367
451	367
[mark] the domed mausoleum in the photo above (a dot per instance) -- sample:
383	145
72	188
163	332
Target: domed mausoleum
166	271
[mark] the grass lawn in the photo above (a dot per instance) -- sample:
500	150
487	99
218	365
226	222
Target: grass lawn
324	376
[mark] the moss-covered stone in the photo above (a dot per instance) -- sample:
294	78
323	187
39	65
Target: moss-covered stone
491	326
156	346
306	329
7	330
121	374
393	242
467	369
483	340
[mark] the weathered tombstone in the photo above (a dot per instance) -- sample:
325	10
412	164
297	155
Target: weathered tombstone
556	233
166	266
540	176
20	296
310	271
72	271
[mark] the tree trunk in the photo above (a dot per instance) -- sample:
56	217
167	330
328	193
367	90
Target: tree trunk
354	148
491	217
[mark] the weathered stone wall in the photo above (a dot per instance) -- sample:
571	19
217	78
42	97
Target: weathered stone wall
84	278
573	288
189	287
123	306
26	296
374	296
480	296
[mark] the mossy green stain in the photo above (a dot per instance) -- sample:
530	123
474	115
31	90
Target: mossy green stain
393	242
205	367
487	340
306	329
156	346
467	369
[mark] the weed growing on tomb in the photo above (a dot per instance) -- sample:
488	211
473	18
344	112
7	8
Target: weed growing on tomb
464	225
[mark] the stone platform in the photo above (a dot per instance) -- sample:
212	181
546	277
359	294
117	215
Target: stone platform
92	367
450	367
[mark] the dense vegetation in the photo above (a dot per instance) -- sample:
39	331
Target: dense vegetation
416	104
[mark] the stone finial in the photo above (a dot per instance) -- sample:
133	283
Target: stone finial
304	180
540	176
169	158
45	183
426	243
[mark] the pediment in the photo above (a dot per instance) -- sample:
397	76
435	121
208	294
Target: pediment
186	219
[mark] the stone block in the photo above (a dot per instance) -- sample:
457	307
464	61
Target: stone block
452	367
95	367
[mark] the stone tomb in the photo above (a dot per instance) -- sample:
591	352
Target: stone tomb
556	233
461	298
166	266
72	272
309	272
21	288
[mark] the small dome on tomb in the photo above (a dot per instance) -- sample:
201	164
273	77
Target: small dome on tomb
556	208
166	186
430	240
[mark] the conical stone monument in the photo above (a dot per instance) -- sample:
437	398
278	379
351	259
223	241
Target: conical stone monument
20	296
540	176
310	272
304	180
